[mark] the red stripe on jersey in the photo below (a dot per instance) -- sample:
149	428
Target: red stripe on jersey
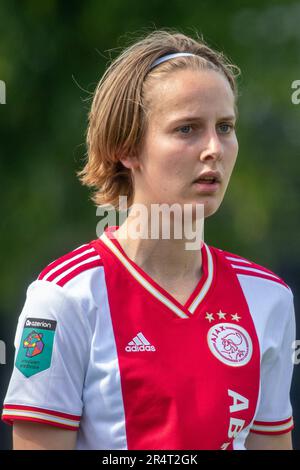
272	423
62	259
273	433
42	410
234	259
78	270
9	420
262	276
69	265
270	428
236	265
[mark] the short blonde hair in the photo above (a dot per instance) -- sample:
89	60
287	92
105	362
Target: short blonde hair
118	115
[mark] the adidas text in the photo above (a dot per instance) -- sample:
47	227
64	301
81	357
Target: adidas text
136	348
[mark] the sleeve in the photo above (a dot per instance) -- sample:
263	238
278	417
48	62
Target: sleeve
274	413
52	350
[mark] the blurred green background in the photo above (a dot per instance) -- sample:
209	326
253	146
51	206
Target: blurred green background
52	54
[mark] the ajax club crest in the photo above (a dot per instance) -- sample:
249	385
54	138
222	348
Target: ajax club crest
230	343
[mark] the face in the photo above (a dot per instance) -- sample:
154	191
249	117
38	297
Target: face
190	133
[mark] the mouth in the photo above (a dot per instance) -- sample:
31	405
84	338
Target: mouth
209	182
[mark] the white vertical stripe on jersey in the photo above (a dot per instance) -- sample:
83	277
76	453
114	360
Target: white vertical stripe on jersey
205	288
103	413
270	305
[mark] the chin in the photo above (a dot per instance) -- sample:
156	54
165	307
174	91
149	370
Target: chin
210	211
210	207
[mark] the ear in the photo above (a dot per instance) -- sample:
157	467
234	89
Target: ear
130	161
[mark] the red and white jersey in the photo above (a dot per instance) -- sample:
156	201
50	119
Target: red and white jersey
101	348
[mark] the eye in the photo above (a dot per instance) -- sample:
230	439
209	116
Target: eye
226	127
185	129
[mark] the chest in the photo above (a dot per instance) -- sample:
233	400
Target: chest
181	363
182	383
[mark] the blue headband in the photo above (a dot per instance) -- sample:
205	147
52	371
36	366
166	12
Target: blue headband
169	56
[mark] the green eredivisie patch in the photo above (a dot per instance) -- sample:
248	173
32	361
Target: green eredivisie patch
35	351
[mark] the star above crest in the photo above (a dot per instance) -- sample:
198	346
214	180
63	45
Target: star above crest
235	317
209	317
221	315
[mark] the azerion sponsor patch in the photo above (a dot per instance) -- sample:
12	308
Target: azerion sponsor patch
35	350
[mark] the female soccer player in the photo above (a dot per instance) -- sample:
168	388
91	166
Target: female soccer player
134	341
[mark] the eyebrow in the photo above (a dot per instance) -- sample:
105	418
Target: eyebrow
230	117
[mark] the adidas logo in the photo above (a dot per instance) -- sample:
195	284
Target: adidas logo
139	343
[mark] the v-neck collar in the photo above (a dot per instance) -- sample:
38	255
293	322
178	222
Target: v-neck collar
197	296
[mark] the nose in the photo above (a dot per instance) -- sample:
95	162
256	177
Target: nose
211	148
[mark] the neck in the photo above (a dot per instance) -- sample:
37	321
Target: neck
160	257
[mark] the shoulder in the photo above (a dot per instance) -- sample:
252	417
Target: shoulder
269	298
68	268
265	291
245	267
69	286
